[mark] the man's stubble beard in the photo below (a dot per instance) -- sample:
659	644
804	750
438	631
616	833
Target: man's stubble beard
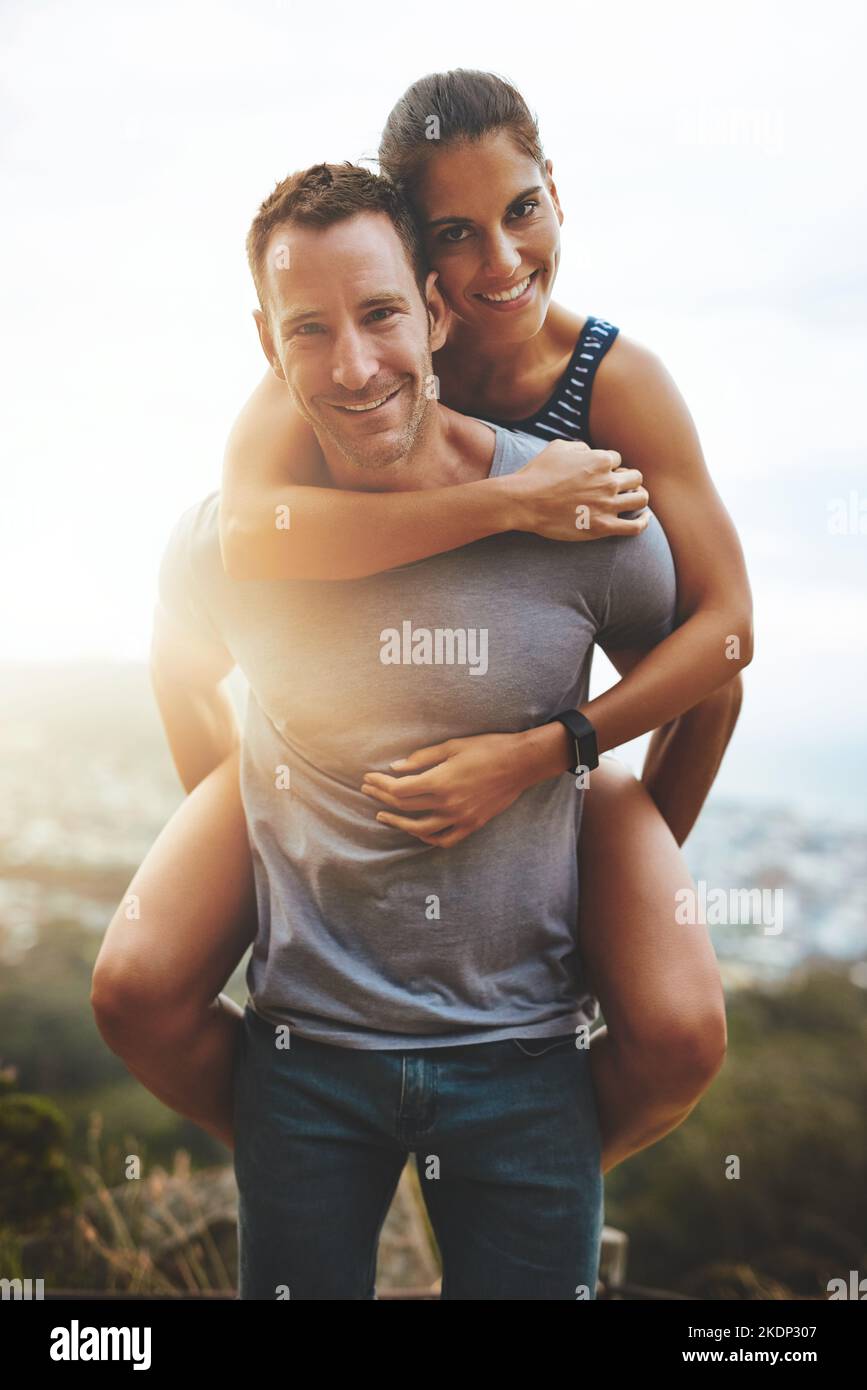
387	454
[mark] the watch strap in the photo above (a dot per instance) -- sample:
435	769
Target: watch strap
582	731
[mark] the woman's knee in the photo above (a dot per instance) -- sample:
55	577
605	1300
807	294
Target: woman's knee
679	1051
132	993
658	981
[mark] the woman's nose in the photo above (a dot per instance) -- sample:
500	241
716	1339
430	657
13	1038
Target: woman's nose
502	257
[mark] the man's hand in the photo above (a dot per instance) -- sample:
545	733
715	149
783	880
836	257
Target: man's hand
468	782
570	492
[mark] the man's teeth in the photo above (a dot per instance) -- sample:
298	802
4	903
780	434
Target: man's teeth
513	293
371	406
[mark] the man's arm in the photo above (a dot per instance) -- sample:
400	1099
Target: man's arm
189	658
187	676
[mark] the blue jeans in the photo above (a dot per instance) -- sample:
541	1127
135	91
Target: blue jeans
507	1148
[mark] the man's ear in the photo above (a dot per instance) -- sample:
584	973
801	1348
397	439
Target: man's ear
268	343
552	189
440	315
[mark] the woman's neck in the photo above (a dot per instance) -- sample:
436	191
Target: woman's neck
479	373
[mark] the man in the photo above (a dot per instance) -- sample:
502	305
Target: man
406	998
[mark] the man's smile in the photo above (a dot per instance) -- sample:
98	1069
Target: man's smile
367	406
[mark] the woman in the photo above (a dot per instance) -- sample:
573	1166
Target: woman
484	195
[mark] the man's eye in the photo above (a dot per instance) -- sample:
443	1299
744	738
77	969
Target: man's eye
301	327
527	203
381	311
447	237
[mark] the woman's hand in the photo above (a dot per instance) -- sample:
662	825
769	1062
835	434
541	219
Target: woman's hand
468	782
570	492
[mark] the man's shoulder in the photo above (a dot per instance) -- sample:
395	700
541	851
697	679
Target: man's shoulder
197	529
201	517
191	576
513	448
192	554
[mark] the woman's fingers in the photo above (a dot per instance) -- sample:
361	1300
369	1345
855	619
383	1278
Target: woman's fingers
400	802
410	785
628	525
628	479
423	757
633	501
421	828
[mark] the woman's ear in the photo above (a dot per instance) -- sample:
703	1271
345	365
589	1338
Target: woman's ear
552	189
439	313
267	342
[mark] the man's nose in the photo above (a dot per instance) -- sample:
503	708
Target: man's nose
354	363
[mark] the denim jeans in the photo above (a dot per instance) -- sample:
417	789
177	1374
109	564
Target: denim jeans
507	1148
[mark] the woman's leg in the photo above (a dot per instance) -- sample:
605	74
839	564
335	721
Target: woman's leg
657	980
186	921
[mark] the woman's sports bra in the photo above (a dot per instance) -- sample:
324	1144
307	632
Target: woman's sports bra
566	414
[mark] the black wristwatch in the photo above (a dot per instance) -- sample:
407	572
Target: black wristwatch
579	726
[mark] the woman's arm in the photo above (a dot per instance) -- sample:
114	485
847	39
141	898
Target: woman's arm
684	757
273	463
464	782
638	410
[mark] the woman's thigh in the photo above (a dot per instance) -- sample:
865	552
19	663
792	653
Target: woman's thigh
656	979
189	913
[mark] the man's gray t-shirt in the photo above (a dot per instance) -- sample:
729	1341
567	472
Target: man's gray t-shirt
367	936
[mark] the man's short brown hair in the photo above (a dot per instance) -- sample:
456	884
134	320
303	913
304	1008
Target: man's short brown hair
325	194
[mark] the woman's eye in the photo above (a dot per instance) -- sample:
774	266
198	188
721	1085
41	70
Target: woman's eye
527	203
447	237
299	331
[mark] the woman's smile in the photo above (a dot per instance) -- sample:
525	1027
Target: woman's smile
508	300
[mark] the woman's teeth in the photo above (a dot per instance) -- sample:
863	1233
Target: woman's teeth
514	293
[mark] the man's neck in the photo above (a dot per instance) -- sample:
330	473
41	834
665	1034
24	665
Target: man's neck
449	448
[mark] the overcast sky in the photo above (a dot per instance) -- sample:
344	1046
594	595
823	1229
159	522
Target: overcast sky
710	161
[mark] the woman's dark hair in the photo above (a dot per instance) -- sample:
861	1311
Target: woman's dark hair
445	108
